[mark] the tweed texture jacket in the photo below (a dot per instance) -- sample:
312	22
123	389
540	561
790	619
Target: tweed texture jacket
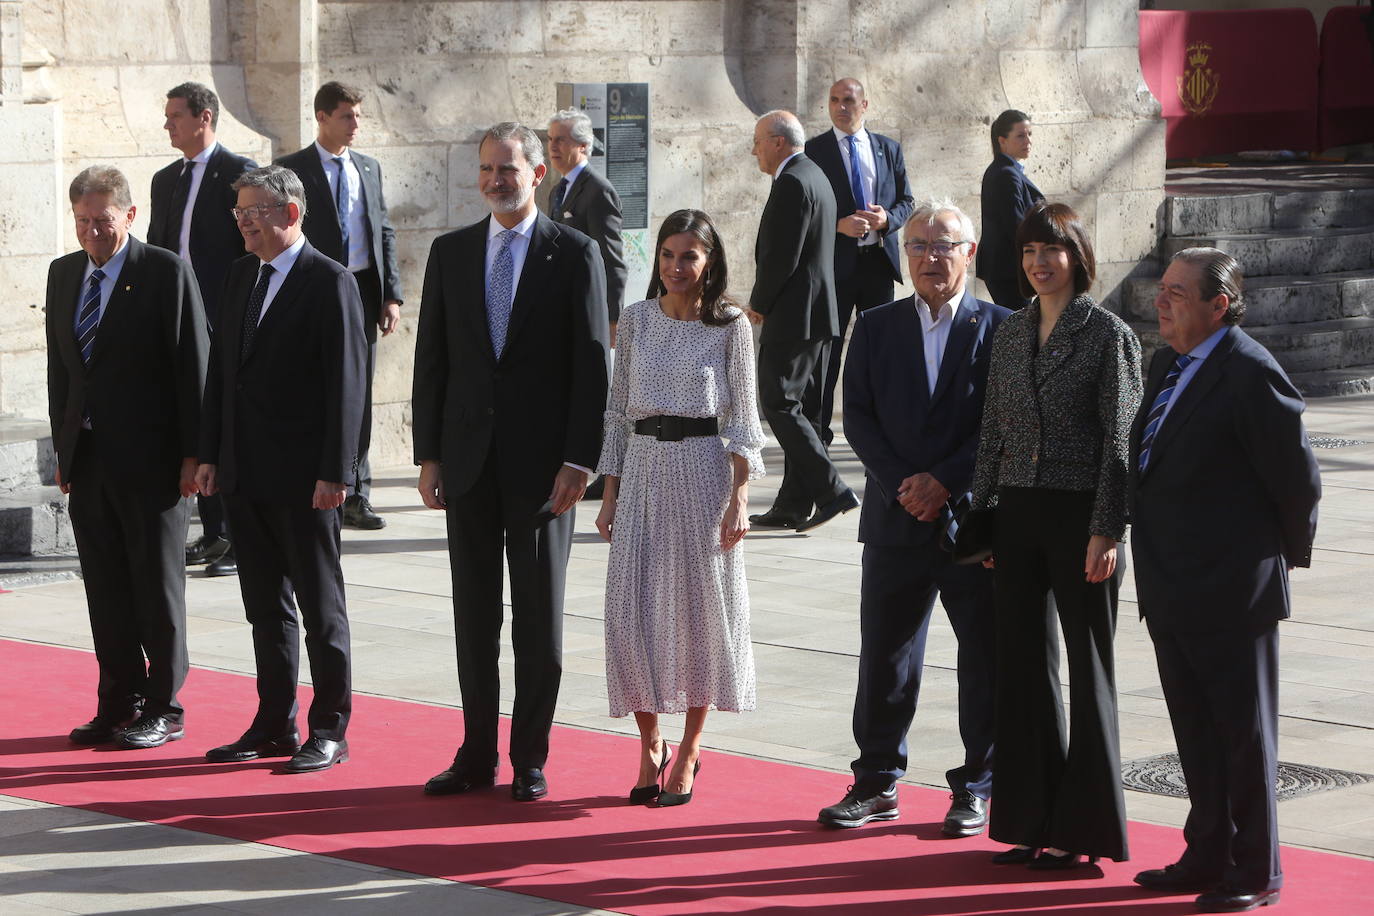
1060	417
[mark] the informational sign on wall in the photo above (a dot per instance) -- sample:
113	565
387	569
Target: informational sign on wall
620	122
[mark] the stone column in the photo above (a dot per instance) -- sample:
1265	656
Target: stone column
281	70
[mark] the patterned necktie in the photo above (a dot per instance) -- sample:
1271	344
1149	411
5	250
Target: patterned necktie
180	194
856	184
254	313
1160	404
556	202
499	287
341	203
88	319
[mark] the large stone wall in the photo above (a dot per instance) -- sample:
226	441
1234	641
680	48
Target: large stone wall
437	73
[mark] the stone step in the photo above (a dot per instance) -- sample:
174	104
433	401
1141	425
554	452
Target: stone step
1200	214
1323	383
1287	252
34	521
1301	349
26	454
1272	301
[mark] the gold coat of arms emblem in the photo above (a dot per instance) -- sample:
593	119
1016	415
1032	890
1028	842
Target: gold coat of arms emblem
1198	84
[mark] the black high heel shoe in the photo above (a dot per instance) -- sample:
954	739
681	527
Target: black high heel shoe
641	795
1015	856
1047	862
672	799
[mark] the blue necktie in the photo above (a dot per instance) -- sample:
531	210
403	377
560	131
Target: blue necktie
254	313
1160	404
88	319
499	286
341	204
856	184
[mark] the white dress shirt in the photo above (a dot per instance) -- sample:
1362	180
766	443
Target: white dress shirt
202	160
359	251
935	333
281	266
868	169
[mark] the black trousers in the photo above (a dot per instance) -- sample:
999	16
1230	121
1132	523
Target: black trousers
870	284
1222	689
132	547
897	597
791	376
498	512
289	555
370	290
1055	786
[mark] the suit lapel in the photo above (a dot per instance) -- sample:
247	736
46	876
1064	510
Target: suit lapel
1059	346
880	168
1159	365
844	198
290	291
472	308
206	199
962	333
911	343
574	190
372	193
539	261
1207	376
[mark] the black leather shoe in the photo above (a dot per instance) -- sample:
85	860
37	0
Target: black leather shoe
967	815
837	506
858	807
775	519
1017	855
596	490
254	745
1174	880
317	754
151	730
100	730
529	785
461	778
358	513
205	550
1227	899
226	565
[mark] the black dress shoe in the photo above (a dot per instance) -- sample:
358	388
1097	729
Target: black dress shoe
100	730
461	778
317	754
151	730
1047	862
205	550
967	815
529	785
227	565
1017	855
1227	899
358	513
596	490
1174	880
837	506
859	806
776	519
254	745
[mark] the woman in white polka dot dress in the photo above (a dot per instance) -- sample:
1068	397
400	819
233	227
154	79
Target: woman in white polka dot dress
682	441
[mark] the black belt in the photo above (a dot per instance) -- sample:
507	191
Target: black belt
675	429
876	248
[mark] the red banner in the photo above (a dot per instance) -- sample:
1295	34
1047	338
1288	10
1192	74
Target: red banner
1347	77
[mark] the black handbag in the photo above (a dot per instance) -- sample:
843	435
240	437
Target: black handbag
967	532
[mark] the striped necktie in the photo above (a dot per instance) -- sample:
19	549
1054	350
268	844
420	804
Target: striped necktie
88	319
1160	405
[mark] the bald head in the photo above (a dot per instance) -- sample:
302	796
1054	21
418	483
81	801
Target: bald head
777	135
848	105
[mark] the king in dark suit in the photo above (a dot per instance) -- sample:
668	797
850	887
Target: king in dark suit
510	387
283	403
794	293
913	402
126	364
346	219
872	196
191	201
1224	506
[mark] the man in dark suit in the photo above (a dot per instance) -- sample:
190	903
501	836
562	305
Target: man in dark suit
126	364
347	220
283	403
191	199
913	403
1007	194
510	386
1224	506
868	175
794	293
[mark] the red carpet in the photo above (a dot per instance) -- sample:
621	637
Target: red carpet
747	843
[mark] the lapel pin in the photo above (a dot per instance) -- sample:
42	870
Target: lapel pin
128	289
973	319
567	214
548	257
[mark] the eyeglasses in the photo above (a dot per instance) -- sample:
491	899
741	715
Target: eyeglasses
260	211
939	249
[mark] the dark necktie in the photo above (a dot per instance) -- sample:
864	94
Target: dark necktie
341	203
856	183
254	313
1160	404
180	194
88	319
556	202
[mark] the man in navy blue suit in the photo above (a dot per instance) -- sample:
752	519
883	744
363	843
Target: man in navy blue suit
913	403
873	197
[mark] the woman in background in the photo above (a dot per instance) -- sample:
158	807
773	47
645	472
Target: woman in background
1007	195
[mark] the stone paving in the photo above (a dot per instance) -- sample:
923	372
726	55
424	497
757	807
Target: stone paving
805	626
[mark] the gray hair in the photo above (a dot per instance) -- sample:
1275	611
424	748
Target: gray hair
1220	275
283	184
514	130
783	123
102	179
579	125
928	210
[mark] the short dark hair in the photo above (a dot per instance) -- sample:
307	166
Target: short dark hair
714	300
1003	126
1220	274
1057	224
333	94
198	98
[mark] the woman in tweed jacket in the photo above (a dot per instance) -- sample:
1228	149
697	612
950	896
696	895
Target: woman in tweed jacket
1063	388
